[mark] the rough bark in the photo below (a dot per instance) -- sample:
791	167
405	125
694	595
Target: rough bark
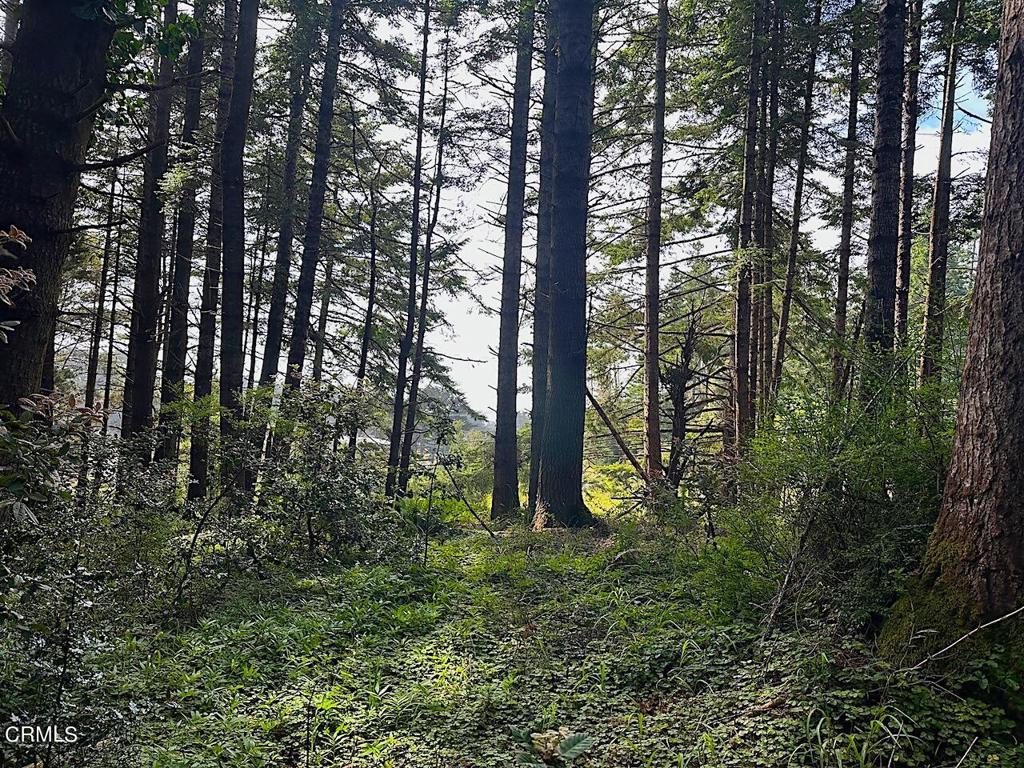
232	304
505	496
975	559
58	74
652	284
883	234
910	114
938	233
847	215
798	203
560	485
542	266
199	452
317	192
405	346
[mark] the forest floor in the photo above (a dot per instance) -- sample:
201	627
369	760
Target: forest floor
655	654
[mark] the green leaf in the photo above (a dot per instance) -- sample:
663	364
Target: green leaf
575	746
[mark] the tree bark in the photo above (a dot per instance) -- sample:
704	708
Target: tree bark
542	266
371	305
975	559
938	235
96	339
317	192
10	33
411	411
321	323
883	234
652	287
505	496
232	305
405	346
172	385
199	452
560	485
839	351
58	74
798	202
906	221
143	340
299	87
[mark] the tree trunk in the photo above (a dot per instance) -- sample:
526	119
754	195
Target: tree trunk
317	191
906	221
256	296
409	435
560	486
101	292
744	415
883	235
199	453
232	305
10	33
115	283
798	203
652	287
938	235
405	347
299	87
58	75
975	559
172	385
542	267
839	352
143	338
768	235
505	496
321	323
371	305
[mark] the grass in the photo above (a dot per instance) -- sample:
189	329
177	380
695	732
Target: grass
625	640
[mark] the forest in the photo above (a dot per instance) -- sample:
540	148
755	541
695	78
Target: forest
419	383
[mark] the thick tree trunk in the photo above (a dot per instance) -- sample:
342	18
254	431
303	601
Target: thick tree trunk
560	486
172	385
743	401
542	266
910	113
58	75
767	329
652	287
505	496
10	33
798	207
199	458
299	87
883	235
975	559
938	235
317	192
411	410
232	305
405	346
143	338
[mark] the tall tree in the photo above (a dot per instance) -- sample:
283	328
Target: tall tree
317	193
199	451
652	286
172	385
883	233
143	341
910	114
798	203
975	561
405	347
232	354
847	214
505	497
298	86
938	233
560	485
92	369
58	77
542	265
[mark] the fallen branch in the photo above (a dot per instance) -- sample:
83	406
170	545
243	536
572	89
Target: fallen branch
986	625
